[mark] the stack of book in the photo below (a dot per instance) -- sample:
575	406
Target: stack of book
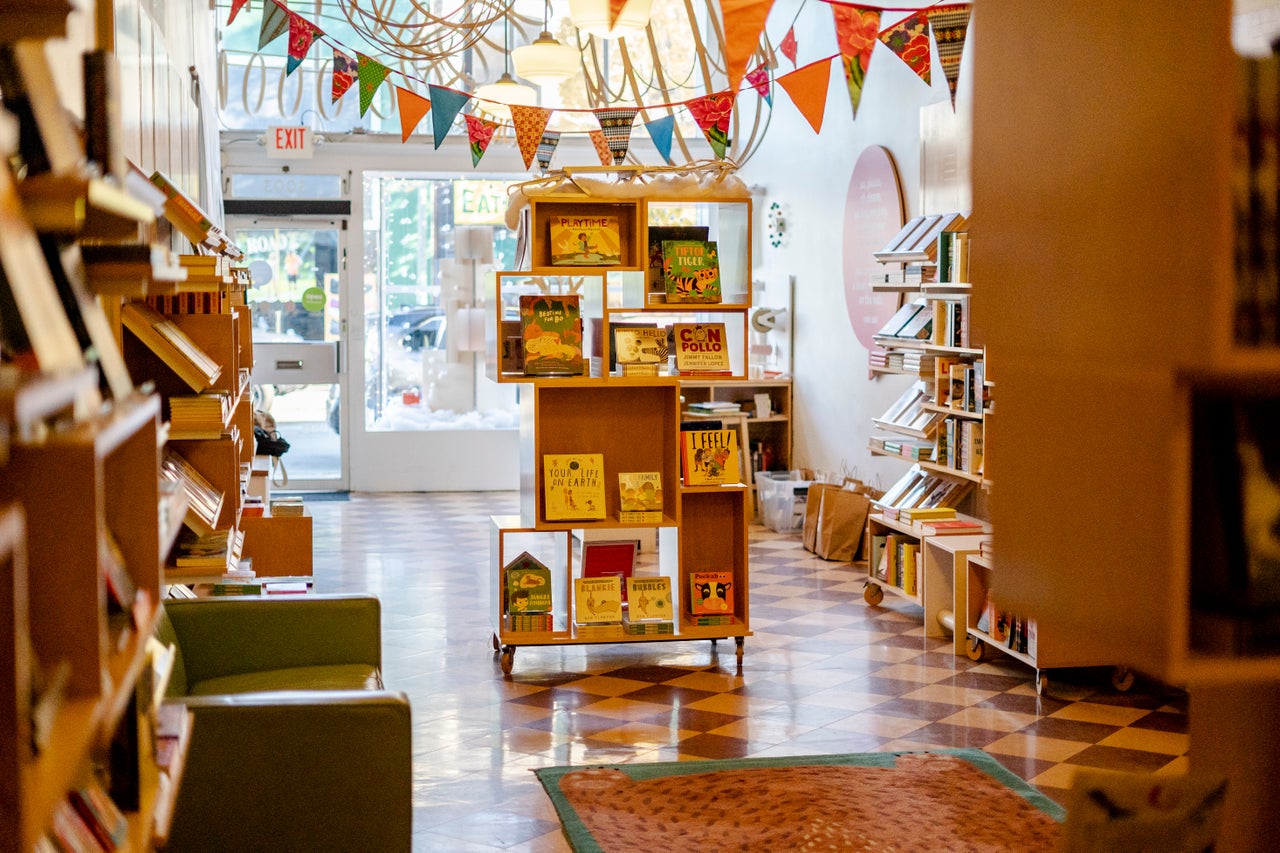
204	501
598	607
199	415
711	597
649	609
287	506
528	595
713	408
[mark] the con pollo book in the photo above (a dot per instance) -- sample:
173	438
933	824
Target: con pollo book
590	241
702	349
691	270
709	457
551	329
573	486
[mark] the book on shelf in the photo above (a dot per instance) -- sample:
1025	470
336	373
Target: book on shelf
204	501
711	593
172	345
948	526
529	622
649	600
615	558
173	722
71	831
659	234
927	513
900	319
691	271
640	497
223	588
1256	163
183	213
573	486
597	600
47	138
287	506
909	566
528	585
101	815
551	330
639	346
918	240
702	349
709	457
713	407
591	241
210	550
103	127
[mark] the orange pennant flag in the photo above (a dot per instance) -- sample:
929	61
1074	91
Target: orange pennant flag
602	147
412	108
530	122
807	87
615	9
743	24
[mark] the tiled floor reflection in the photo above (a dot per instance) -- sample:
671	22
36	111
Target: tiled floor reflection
823	673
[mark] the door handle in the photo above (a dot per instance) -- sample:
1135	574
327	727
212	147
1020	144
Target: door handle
293	364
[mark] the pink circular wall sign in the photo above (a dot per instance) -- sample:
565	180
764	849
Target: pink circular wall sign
872	215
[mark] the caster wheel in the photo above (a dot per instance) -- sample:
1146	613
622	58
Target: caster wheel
508	659
1042	683
497	647
1122	678
975	649
872	594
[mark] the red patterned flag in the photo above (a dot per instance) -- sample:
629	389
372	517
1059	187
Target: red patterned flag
616	123
949	25
743	23
807	87
602	147
479	134
371	73
856	32
530	122
789	47
760	80
909	38
712	113
302	33
344	73
412	108
236	6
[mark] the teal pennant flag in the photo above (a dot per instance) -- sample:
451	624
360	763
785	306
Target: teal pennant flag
660	131
445	104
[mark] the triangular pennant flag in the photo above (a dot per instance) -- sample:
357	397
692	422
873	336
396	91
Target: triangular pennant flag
789	47
530	122
615	9
743	23
412	108
661	131
760	80
236	6
371	73
344	73
547	148
275	23
807	87
479	134
602	147
445	105
856	31
616	123
909	39
712	113
302	33
949	25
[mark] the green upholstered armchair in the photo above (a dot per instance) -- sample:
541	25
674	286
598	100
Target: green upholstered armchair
295	744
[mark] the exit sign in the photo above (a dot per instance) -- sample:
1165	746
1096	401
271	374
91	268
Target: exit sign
291	142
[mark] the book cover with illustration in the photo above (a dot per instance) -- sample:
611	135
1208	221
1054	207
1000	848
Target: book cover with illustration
551	329
640	496
585	241
615	558
702	349
691	270
659	234
711	593
597	600
528	585
649	600
573	486
640	346
709	457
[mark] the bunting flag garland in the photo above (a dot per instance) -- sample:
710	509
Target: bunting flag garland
602	147
445	106
789	47
236	6
275	23
302	34
661	131
615	9
909	39
616	123
712	113
547	148
344	74
856	32
807	87
743	24
530	122
371	73
949	25
760	80
479	134
412	107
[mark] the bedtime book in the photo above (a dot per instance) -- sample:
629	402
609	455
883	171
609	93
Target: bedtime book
711	593
640	494
597	600
551	328
585	241
709	456
701	348
573	486
691	270
649	600
528	585
659	234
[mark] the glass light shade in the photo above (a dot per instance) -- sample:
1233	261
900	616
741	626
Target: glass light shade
498	96
546	61
592	16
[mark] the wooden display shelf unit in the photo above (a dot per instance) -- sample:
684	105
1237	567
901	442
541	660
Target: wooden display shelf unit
933	589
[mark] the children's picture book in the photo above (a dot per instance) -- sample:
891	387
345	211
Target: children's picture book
640	497
691	270
585	241
709	457
702	349
597	600
659	234
711	593
573	486
1111	810
528	585
649	600
634	346
551	329
615	558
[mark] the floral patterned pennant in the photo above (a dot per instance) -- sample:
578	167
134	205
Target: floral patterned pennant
743	24
371	73
856	32
302	33
616	123
479	134
909	39
949	25
530	122
712	113
344	73
760	80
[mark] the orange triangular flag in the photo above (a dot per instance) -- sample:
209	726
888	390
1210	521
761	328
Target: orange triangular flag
529	122
615	9
412	108
807	87
743	23
602	147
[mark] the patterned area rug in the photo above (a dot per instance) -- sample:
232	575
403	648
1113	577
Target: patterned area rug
952	799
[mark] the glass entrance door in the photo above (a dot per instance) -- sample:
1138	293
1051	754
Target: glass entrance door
299	267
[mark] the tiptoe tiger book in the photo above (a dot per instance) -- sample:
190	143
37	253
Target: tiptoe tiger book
691	270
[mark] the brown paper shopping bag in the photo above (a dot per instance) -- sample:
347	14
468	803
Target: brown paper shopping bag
842	518
812	505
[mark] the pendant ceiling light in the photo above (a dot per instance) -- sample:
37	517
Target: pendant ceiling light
499	95
546	61
592	16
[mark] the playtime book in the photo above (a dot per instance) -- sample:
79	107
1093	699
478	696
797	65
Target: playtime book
709	457
691	270
551	330
573	486
640	495
528	585
702	349
585	241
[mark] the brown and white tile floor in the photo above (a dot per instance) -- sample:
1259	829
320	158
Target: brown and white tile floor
823	673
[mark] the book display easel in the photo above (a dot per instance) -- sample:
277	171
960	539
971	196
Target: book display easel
631	419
